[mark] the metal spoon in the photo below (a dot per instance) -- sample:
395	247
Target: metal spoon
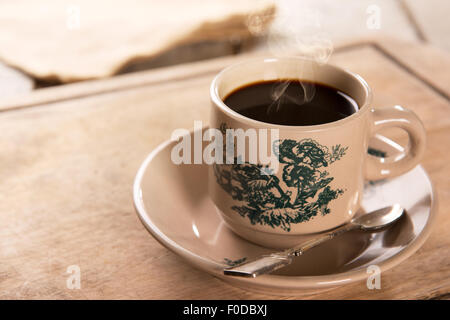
373	221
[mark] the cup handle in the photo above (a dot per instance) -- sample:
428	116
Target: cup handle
380	168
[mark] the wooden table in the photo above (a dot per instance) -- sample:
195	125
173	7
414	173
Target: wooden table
69	156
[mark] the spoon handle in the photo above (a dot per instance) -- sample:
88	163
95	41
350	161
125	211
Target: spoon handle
308	244
278	260
263	265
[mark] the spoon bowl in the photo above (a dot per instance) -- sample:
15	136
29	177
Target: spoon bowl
379	219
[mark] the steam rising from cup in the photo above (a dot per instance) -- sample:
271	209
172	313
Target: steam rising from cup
293	33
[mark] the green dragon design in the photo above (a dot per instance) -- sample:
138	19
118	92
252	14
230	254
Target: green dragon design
303	192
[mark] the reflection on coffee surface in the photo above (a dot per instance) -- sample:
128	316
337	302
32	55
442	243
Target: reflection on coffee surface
291	102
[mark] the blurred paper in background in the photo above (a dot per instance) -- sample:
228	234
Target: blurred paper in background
64	41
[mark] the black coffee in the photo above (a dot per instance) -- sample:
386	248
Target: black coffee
291	102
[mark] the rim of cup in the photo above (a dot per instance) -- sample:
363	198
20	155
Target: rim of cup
217	100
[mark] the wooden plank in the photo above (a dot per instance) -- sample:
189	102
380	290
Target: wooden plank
423	61
67	168
121	82
431	17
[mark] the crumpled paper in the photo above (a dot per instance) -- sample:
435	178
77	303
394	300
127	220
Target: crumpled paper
72	40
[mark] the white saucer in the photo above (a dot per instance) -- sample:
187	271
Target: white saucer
172	202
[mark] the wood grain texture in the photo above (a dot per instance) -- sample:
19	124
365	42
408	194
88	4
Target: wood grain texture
431	17
69	156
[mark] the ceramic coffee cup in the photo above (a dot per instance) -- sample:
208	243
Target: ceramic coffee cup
318	181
